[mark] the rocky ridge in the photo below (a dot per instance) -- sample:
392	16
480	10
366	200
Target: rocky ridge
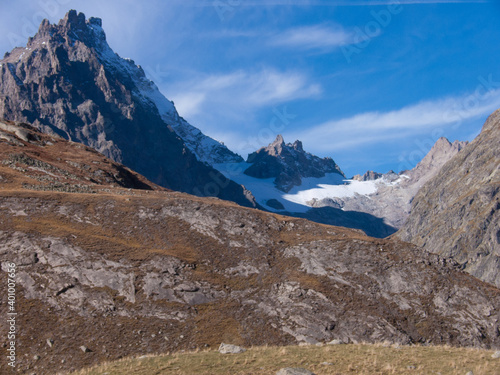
68	82
457	213
288	164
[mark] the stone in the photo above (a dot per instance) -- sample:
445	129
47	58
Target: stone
50	342
294	371
230	349
84	349
335	342
496	355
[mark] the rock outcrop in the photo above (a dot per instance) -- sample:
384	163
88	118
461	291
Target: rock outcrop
368	176
288	164
68	82
457	213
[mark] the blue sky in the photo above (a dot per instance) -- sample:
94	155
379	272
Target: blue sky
372	84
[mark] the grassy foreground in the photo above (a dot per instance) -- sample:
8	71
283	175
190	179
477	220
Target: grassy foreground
322	360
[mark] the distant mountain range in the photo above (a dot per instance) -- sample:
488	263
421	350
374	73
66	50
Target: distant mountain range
68	82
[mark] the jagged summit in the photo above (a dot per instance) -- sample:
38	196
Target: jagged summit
68	82
288	163
74	26
440	153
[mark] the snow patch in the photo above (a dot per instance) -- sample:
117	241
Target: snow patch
301	195
330	186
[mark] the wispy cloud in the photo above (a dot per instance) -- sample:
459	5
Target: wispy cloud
240	91
378	127
316	36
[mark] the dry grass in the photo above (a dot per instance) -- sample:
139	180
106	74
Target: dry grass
359	359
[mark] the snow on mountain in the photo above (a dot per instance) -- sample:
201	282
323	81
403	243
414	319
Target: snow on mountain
393	194
384	196
206	149
322	190
299	197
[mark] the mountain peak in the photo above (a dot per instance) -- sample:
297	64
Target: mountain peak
288	163
74	26
279	140
276	148
297	146
74	20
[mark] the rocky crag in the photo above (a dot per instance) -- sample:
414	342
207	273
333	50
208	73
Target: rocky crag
68	82
288	163
457	213
133	269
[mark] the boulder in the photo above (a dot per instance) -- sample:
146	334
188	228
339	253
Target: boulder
230	349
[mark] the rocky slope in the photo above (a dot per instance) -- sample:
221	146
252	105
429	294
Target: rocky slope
37	161
394	192
67	81
288	164
457	213
124	271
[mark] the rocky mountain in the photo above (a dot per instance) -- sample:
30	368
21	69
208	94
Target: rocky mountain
68	82
288	164
392	193
132	269
457	213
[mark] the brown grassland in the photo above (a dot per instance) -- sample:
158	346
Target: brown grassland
362	359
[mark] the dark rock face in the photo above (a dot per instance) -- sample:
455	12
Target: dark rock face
288	163
67	81
457	213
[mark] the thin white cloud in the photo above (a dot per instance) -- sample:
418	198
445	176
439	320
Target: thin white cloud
377	127
240	91
316	36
